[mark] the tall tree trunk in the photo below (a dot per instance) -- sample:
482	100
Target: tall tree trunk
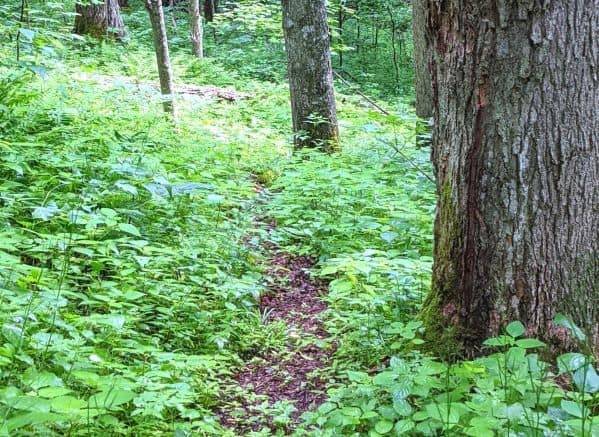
393	46
516	154
197	29
165	73
310	74
424	88
340	22
100	20
209	9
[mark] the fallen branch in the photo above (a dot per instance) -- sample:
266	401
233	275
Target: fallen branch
357	91
227	94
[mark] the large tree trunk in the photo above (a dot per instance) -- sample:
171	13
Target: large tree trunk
424	89
310	74
165	73
197	29
100	20
516	154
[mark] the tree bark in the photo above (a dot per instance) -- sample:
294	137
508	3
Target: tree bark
209	10
422	75
340	23
165	73
100	20
310	74
393	47
197	29
516	155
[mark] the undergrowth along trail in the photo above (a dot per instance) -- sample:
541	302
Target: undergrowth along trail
281	386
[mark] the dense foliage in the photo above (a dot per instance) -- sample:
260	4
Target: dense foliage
127	285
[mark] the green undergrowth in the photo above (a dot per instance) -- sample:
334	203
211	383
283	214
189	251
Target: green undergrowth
508	392
128	293
367	214
130	260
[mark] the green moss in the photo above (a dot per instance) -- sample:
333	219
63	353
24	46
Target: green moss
441	335
266	177
441	338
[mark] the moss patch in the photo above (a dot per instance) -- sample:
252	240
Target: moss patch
440	313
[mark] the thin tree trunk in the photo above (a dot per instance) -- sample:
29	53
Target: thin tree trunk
23	10
340	22
154	8
310	74
171	5
393	46
100	20
516	154
422	75
376	38
358	34
197	29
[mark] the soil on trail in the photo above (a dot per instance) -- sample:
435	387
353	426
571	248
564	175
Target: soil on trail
295	298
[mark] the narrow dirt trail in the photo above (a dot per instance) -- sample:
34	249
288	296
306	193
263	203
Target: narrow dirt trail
294	375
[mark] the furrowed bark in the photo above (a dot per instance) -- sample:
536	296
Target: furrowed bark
100	20
310	74
516	155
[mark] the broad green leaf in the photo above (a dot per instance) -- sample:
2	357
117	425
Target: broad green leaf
129	229
383	426
28	419
30	403
586	379
67	404
403	408
351	411
358	376
530	343
515	329
389	236
329	270
402	427
562	320
572	408
45	213
369	415
385	379
514	411
111	398
571	362
53	392
37	380
28	34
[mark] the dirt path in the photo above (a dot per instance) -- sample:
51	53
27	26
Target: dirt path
293	297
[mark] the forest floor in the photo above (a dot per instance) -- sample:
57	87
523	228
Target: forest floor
174	283
293	375
205	279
